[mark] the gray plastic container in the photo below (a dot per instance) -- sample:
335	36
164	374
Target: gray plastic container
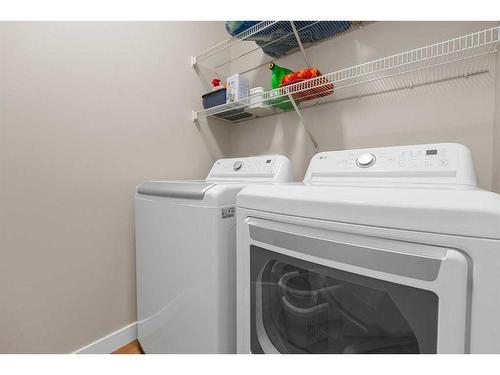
214	98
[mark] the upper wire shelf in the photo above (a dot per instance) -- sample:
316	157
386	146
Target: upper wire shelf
459	57
275	38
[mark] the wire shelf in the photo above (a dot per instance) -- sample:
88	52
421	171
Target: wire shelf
275	38
455	58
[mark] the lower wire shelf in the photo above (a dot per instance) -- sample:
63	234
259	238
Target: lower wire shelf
460	57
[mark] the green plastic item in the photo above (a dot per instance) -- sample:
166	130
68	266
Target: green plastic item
278	73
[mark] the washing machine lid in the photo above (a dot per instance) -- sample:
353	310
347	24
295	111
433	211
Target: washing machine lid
175	189
226	178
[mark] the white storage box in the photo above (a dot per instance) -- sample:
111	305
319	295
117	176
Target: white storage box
237	88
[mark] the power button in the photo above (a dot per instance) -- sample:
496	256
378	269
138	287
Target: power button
237	165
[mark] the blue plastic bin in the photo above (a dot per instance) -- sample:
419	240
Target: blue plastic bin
279	39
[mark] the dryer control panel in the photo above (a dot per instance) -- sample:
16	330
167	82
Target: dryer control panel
442	163
272	168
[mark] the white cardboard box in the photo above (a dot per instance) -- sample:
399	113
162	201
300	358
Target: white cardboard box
238	88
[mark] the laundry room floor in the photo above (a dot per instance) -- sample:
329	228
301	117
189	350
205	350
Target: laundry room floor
131	348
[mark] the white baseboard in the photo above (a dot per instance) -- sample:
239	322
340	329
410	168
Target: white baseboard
111	342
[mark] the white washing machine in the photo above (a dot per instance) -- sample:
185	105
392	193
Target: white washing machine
385	250
185	250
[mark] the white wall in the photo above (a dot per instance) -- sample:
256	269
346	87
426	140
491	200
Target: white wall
457	111
88	111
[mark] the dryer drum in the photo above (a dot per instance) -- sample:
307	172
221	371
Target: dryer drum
308	311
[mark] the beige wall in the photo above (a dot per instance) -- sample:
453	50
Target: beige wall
496	132
88	111
457	111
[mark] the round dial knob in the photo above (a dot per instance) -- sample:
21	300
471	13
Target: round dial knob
365	160
237	165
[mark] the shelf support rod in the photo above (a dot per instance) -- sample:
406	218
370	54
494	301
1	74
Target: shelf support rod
303	123
299	42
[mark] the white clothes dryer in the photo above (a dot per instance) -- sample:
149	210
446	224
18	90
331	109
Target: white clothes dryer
384	250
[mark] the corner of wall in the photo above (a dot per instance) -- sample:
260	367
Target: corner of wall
495	165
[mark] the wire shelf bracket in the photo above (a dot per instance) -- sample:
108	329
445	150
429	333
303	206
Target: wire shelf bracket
303	123
299	42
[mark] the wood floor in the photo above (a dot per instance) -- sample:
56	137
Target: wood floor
131	348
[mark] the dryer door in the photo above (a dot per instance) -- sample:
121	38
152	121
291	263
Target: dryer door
318	291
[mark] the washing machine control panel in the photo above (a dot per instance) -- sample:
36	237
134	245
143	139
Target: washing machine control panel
260	168
440	163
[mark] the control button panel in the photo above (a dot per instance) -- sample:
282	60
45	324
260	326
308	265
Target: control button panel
264	166
439	163
387	159
365	160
